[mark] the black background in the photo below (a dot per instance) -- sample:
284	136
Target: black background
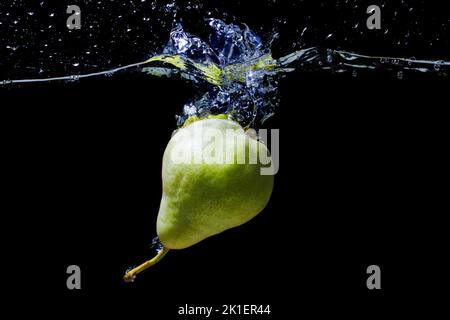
362	181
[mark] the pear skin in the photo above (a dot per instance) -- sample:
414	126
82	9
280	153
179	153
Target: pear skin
202	198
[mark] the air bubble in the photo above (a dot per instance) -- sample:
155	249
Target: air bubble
131	279
438	65
157	245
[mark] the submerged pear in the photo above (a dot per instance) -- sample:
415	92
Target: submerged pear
212	181
209	185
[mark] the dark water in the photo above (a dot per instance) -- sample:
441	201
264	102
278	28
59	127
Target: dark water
364	110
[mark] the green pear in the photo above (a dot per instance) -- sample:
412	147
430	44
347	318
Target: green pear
208	195
212	182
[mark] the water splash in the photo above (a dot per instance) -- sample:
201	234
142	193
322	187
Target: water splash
233	62
236	74
341	61
157	245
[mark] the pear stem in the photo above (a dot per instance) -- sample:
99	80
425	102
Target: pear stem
131	275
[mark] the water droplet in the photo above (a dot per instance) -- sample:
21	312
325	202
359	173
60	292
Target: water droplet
168	7
303	31
74	78
330	56
438	65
